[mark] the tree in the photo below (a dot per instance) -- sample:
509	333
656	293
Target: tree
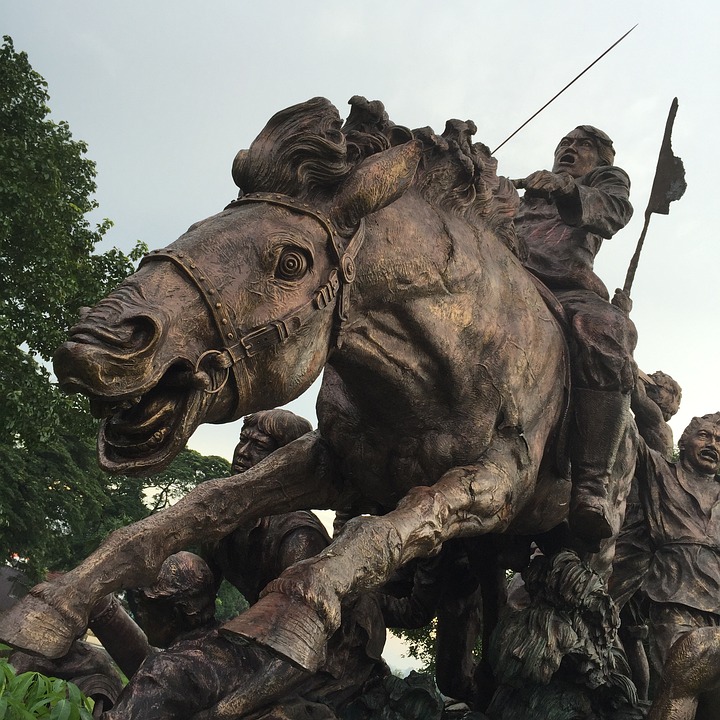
186	471
49	484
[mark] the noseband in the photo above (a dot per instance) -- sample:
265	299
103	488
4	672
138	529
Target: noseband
236	346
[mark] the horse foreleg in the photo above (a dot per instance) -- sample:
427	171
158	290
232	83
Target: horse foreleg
295	477
301	609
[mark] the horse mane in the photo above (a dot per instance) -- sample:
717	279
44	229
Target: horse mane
305	151
300	152
461	177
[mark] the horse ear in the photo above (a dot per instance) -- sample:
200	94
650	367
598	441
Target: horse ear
375	183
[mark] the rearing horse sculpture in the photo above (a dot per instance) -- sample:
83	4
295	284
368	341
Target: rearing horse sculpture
384	257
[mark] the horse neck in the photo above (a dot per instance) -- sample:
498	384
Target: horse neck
426	282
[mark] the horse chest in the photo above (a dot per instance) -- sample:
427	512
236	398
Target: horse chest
383	467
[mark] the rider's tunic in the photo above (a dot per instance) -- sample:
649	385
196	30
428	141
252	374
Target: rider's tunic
562	241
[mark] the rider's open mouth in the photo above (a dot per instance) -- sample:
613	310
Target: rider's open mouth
567	159
710	454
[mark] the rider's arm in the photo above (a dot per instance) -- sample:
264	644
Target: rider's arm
601	203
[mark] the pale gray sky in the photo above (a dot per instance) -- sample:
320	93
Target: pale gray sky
165	93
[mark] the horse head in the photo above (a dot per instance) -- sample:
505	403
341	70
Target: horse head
239	314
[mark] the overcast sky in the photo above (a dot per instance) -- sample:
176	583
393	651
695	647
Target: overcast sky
165	93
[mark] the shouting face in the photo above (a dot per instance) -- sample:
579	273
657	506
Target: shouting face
576	154
701	449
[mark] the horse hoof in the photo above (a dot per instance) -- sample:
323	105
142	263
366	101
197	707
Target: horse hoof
36	627
286	625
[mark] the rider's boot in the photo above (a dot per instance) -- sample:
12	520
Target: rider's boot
600	418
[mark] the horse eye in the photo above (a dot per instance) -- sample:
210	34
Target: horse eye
293	265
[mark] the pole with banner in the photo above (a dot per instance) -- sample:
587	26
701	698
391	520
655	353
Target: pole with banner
669	185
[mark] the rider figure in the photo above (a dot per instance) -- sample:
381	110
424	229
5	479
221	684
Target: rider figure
563	219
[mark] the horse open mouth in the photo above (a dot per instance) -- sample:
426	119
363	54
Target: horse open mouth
144	433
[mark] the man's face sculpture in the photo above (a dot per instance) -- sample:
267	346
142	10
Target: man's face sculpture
254	446
576	154
701	450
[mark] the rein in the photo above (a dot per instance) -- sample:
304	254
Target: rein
237	346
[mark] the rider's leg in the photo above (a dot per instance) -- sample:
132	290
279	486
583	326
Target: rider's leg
600	418
602	340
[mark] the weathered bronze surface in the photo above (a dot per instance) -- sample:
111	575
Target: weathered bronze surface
563	219
201	668
388	258
675	561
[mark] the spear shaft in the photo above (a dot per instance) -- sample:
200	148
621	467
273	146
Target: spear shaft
577	77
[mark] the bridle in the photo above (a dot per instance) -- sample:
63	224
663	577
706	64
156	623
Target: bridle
235	345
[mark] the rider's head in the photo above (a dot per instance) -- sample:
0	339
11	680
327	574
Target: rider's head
582	150
266	431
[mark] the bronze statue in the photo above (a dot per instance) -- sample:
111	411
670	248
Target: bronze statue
386	258
249	557
563	219
181	601
554	656
690	685
680	501
655	400
257	552
668	553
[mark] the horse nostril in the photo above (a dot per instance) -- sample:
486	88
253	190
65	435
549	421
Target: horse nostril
142	332
133	334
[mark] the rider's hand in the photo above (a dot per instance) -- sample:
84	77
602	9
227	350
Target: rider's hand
622	301
548	184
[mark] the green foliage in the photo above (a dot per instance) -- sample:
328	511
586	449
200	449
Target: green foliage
186	471
229	602
420	645
54	502
31	695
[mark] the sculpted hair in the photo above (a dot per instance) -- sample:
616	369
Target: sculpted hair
603	143
282	425
695	423
300	151
185	580
663	381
